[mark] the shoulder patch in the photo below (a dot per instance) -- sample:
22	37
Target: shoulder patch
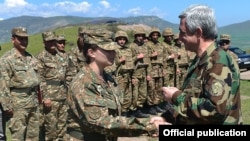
94	112
217	88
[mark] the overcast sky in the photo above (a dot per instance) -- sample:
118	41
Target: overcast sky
227	11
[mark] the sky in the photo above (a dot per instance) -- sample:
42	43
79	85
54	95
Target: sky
226	11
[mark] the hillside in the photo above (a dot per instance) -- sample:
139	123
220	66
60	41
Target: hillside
36	25
39	24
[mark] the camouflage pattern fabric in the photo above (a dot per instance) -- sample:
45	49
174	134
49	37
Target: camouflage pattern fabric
182	65
76	62
123	75
141	70
53	71
155	96
19	81
211	91
96	107
169	64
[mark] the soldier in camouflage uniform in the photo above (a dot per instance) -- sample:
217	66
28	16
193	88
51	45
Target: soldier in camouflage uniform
169	58
211	91
142	68
52	66
224	43
19	81
182	62
155	81
94	99
124	70
76	58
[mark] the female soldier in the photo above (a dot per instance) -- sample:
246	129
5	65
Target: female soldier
94	100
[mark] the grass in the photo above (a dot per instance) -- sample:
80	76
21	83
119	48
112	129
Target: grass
245	101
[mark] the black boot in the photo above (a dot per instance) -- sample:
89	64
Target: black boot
139	114
159	109
151	110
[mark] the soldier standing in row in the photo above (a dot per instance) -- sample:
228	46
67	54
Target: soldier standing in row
76	58
169	60
125	66
19	81
141	70
52	66
155	81
182	62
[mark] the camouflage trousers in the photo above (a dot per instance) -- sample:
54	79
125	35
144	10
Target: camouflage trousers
139	92
124	81
155	96
54	124
169	80
24	125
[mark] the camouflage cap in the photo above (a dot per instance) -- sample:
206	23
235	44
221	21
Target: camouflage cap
153	30
102	42
121	33
60	37
49	35
225	37
167	32
19	31
139	30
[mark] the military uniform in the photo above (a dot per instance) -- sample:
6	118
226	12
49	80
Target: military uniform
169	62
155	85
226	37
52	67
182	62
76	58
19	83
141	70
124	71
212	82
95	105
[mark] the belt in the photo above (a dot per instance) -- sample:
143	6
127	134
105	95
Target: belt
158	64
125	71
183	65
24	90
54	82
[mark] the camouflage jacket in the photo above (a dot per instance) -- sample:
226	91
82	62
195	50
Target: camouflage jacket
211	91
53	71
18	79
183	59
158	61
169	62
141	63
128	65
96	106
76	62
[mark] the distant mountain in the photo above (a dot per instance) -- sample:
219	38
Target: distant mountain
239	31
39	24
240	34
